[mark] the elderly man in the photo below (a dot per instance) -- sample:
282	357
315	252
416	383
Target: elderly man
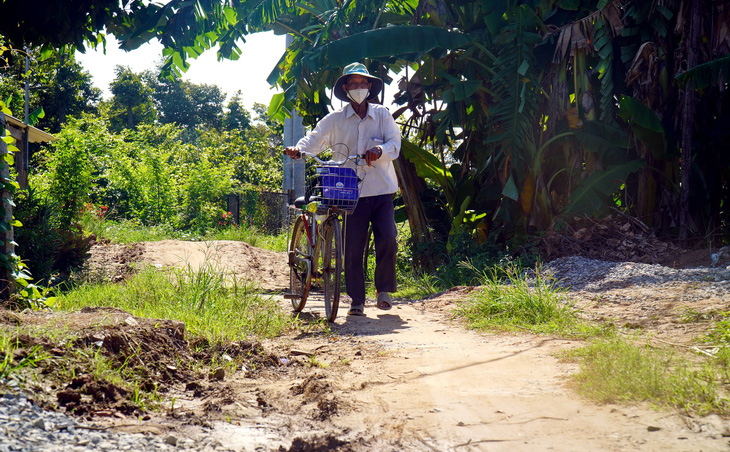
364	128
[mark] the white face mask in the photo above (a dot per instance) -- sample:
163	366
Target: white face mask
358	95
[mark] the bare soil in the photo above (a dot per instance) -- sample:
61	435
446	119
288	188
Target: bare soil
411	378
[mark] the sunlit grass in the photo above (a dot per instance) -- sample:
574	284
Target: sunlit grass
122	231
252	236
416	286
8	364
125	231
618	370
509	300
212	305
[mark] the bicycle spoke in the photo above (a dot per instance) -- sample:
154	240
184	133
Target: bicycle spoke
332	266
300	266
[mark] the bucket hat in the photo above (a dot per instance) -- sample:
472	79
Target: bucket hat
357	69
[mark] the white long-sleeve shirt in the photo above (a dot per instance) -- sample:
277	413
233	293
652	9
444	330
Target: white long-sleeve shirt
377	128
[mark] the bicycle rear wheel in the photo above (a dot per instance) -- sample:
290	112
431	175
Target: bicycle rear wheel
332	267
300	265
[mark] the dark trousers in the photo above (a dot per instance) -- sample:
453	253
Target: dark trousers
379	211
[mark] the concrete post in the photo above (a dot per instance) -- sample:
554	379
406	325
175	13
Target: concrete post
293	169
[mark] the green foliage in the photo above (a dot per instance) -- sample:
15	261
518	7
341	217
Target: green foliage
707	74
57	84
393	41
201	194
39	240
254	163
70	175
50	250
150	175
8	366
9	261
187	104
464	264
653	375
593	192
274	127
720	332
56	25
211	303
131	101
509	299
488	83
142	174
236	118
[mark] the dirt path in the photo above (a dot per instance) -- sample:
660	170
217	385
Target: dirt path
413	379
424	383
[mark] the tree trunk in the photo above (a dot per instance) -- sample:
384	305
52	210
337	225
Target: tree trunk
687	119
410	186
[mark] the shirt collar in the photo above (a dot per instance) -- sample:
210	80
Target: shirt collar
349	111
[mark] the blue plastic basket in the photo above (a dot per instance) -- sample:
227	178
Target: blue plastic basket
339	187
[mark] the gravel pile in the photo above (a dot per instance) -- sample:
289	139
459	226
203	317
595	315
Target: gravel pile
591	275
25	427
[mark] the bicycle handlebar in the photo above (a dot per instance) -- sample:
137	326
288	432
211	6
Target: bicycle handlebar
354	157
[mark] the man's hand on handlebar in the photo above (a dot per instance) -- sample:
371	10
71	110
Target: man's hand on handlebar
370	156
373	154
292	152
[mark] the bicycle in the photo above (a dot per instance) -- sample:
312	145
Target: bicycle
315	250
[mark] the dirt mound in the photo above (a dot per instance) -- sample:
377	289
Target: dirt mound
154	351
267	270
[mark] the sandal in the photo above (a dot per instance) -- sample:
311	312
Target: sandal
357	309
384	301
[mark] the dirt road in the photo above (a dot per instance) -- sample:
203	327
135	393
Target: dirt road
413	379
419	382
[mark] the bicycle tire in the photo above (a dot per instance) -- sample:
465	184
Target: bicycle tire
300	265
332	267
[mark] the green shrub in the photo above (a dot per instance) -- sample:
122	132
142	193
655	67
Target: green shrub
70	177
47	244
39	239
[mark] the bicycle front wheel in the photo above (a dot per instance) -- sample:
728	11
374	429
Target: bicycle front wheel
332	267
300	265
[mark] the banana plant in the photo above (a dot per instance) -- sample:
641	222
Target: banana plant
511	98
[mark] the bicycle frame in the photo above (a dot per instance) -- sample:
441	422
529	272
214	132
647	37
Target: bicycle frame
320	255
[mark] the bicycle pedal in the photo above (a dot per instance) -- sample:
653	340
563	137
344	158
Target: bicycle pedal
291	296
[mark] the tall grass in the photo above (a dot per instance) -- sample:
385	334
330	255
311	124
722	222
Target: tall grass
253	236
8	365
510	300
210	303
618	370
125	231
129	231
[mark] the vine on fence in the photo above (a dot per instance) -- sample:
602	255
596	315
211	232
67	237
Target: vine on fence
12	270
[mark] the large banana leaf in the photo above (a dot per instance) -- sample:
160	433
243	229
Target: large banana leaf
591	195
428	166
606	140
645	124
632	109
707	74
404	41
